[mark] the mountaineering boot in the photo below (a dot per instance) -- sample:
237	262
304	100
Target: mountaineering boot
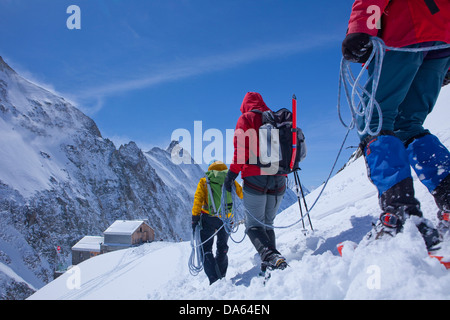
390	224
264	242
388	165
400	201
272	259
400	204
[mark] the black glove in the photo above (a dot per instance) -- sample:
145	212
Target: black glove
357	47
229	180
195	220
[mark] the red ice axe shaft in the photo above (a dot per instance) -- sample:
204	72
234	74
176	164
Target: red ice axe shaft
294	131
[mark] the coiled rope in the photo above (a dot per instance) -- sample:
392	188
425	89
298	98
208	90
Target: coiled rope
197	257
362	103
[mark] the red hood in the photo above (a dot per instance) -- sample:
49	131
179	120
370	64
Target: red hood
252	101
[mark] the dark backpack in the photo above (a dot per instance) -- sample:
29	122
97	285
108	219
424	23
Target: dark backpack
275	136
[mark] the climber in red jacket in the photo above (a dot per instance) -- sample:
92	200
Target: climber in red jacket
263	192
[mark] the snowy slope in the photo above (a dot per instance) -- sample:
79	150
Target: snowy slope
399	268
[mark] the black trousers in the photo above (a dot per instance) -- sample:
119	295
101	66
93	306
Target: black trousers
215	266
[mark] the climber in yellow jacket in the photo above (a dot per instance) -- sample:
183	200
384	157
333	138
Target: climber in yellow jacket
206	212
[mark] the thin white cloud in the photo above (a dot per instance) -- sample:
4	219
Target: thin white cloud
203	65
92	100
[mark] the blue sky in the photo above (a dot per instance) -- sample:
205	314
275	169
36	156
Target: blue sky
144	68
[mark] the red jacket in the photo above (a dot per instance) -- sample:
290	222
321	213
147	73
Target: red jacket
246	150
403	22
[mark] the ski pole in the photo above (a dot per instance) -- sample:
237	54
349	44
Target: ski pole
304	202
297	187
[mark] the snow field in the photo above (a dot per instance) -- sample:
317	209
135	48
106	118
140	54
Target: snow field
397	268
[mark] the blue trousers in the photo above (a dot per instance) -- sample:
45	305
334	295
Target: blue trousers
407	92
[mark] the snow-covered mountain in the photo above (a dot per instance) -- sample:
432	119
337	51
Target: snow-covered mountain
61	180
397	268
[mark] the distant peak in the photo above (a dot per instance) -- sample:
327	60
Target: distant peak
172	144
4	66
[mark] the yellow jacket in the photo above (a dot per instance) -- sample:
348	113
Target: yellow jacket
201	194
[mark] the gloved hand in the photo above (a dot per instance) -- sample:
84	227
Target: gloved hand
195	220
229	180
357	47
